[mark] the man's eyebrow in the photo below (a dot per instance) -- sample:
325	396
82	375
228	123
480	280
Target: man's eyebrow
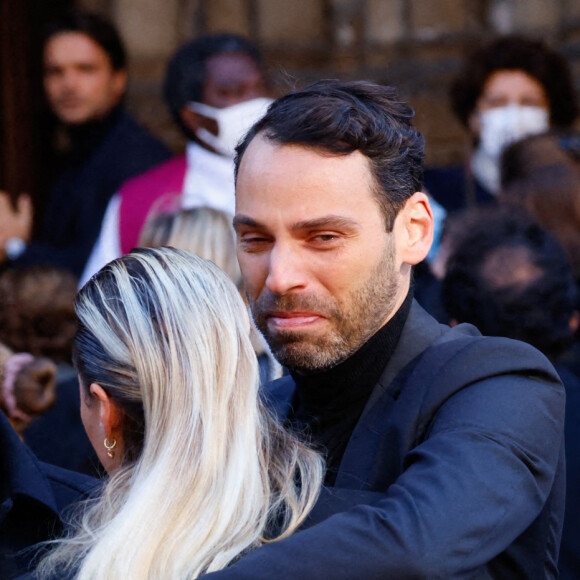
244	220
329	221
315	223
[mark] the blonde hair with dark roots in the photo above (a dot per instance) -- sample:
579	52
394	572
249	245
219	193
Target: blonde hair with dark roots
205	231
212	474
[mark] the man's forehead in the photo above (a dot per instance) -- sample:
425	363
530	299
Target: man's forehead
302	182
72	46
298	163
266	148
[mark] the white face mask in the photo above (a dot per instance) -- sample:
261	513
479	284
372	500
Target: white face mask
502	126
233	123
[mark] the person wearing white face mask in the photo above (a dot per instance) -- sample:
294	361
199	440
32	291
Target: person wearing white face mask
506	90
215	88
499	127
231	121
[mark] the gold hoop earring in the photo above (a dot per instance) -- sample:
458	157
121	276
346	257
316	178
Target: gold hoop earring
110	447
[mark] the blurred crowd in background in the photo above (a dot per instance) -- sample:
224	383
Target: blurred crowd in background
506	254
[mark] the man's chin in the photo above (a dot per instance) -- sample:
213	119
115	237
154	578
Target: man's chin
73	119
307	357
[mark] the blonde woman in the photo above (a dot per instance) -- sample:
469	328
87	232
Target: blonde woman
199	472
207	232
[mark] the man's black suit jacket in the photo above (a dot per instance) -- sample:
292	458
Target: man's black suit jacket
462	438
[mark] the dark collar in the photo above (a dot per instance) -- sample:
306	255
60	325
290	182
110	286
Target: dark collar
419	331
20	473
84	139
332	390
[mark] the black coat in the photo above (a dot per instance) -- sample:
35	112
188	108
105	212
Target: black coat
569	563
463	437
79	198
454	189
33	496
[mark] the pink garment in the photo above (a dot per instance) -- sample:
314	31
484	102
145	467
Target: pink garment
139	194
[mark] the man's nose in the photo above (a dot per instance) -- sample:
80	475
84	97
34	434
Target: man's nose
69	80
287	270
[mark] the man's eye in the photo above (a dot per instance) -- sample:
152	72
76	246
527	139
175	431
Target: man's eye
531	102
253	242
324	238
495	102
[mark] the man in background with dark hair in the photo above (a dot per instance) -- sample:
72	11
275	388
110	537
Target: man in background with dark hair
460	436
507	89
215	88
511	278
85	79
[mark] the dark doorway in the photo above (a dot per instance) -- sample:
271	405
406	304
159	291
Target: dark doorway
24	118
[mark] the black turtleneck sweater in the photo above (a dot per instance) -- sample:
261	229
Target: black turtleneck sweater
82	140
82	143
328	404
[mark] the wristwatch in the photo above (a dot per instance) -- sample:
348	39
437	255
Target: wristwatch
14	248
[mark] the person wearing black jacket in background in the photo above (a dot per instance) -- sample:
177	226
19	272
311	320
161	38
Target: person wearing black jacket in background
507	89
85	80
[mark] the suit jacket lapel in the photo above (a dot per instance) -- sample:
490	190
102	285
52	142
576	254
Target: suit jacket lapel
357	464
356	467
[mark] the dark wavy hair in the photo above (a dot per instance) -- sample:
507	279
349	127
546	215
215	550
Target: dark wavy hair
96	27
533	57
36	311
341	117
187	71
510	277
548	192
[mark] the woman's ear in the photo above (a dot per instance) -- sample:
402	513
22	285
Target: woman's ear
110	412
415	229
107	435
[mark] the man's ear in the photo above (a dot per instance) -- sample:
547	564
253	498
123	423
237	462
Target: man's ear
119	83
110	412
415	229
473	123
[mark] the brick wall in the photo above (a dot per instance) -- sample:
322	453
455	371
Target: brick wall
416	45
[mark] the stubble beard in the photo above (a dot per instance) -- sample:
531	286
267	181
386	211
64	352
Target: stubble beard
365	311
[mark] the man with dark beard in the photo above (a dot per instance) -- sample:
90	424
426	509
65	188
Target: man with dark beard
459	435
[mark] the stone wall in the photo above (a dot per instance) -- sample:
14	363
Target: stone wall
416	45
